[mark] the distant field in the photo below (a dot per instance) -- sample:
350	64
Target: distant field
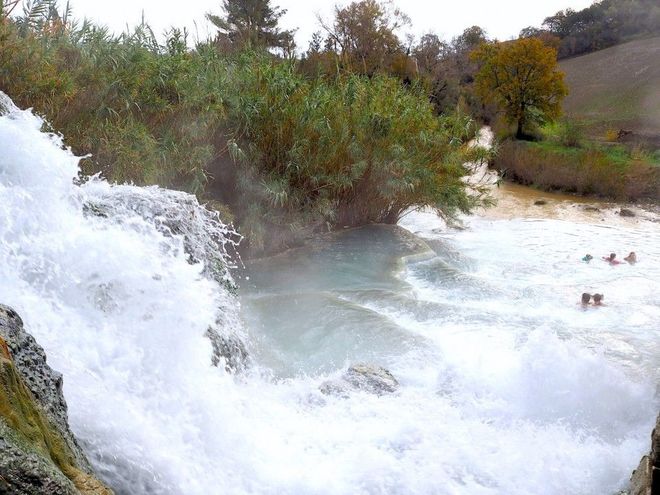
617	88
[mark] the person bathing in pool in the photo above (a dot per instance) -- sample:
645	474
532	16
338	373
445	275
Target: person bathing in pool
631	258
598	300
586	298
611	259
587	258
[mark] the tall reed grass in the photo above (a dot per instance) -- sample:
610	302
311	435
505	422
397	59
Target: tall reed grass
287	154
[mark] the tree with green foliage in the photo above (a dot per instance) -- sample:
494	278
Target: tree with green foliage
462	46
436	69
252	24
469	39
447	71
429	53
523	79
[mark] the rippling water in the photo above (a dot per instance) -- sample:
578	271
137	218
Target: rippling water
507	385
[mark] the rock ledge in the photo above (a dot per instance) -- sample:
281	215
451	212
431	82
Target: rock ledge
645	479
38	453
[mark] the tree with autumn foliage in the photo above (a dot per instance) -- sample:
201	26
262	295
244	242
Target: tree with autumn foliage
523	79
364	37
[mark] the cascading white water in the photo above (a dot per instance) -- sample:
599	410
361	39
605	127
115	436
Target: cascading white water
507	387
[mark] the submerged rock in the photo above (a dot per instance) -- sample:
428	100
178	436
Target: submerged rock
229	350
540	202
645	479
38	452
625	212
366	377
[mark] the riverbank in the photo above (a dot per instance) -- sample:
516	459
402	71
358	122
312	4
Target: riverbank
518	201
279	150
512	200
592	170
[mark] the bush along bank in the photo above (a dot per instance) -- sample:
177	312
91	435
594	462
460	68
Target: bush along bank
561	160
315	155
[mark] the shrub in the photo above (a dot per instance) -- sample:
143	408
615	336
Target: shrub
611	135
146	113
571	133
343	152
565	132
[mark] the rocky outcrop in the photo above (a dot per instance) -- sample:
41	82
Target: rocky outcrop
206	239
38	452
173	213
366	377
44	383
645	479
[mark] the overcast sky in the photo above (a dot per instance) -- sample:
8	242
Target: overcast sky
502	19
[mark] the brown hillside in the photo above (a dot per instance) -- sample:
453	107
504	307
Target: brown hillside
617	88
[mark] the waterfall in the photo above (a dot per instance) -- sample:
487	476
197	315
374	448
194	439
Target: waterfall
120	284
505	385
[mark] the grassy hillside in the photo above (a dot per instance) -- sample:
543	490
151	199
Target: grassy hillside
617	88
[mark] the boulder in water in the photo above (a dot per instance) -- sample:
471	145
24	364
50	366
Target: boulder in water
540	202
625	212
38	452
366	377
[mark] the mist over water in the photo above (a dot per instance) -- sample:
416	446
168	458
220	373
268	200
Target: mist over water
507	385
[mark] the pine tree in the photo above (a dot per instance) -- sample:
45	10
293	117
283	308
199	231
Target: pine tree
252	24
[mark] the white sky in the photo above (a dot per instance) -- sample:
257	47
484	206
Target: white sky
502	19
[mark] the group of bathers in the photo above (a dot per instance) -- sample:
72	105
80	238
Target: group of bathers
611	259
